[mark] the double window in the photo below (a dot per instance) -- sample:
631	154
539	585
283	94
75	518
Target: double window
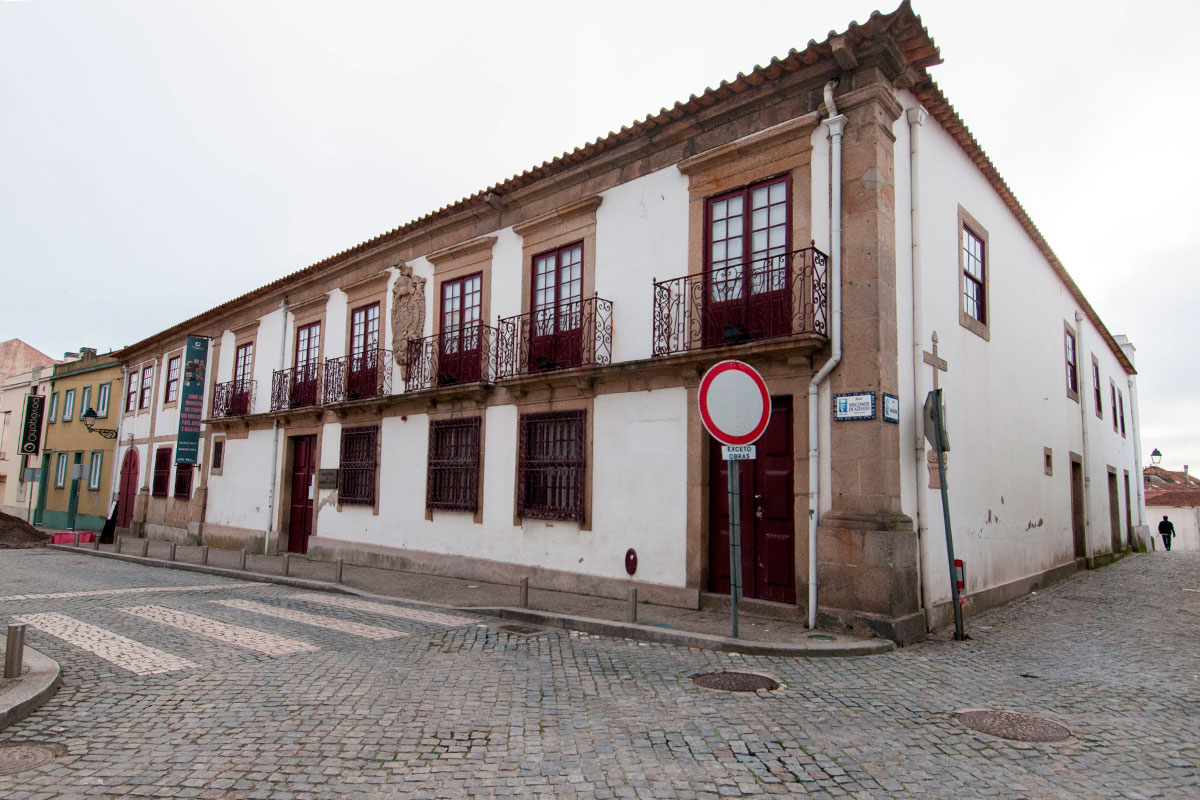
147	387
172	388
1072	362
240	395
973	275
452	482
551	465
363	375
131	392
307	365
459	349
556	327
358	465
162	472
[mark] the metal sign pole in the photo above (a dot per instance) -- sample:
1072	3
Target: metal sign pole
733	470
941	457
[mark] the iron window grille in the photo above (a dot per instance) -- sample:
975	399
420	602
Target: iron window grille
974	300
183	481
356	470
452	482
162	472
551	465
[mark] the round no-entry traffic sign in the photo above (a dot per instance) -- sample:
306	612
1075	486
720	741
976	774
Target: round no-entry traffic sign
735	406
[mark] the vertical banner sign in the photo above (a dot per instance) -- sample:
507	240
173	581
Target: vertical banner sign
191	400
31	431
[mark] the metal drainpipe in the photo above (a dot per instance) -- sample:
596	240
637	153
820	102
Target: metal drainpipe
916	116
837	124
1083	424
283	326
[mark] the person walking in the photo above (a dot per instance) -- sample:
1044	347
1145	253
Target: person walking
1167	530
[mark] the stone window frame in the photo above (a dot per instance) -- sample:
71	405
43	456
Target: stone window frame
376	465
472	464
216	463
131	392
463	260
968	224
181	487
160	474
580	512
146	387
574	223
1097	395
172	357
365	292
1071	361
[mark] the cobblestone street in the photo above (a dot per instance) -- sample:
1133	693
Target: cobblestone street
178	684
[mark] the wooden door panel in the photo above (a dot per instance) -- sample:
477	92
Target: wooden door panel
300	516
127	493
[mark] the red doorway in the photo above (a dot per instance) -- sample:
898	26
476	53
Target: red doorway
767	500
127	493
304	467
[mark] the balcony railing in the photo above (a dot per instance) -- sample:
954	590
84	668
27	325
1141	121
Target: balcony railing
573	334
354	377
296	387
233	398
464	355
776	296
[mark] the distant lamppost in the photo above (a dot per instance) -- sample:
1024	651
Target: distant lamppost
89	422
1155	457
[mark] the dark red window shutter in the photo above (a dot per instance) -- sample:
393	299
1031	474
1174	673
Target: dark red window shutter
162	472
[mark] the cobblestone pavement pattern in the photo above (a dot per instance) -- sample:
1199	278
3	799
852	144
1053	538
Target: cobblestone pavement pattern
459	708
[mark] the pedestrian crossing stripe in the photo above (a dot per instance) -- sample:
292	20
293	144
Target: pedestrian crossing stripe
304	618
384	609
129	655
267	643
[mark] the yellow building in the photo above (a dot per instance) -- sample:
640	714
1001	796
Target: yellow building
76	487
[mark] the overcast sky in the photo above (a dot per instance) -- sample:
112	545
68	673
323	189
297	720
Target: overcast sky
159	158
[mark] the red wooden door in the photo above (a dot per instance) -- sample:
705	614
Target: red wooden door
127	493
304	467
766	503
362	378
556	324
458	350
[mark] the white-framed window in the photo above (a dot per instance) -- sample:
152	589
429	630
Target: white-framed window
53	415
94	466
85	400
68	404
102	400
60	470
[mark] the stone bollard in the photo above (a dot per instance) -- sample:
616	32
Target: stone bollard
171	552
120	541
14	653
632	601
95	542
145	547
341	563
287	564
77	538
525	592
204	554
242	560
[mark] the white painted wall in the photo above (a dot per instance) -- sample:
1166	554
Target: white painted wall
267	356
641	234
1005	398
507	263
1186	520
238	497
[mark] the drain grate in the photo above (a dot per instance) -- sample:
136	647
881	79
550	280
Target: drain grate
20	756
1011	725
734	681
521	630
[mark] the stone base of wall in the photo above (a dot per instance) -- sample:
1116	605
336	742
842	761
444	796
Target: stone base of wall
1104	559
942	613
902	630
479	569
168	533
229	537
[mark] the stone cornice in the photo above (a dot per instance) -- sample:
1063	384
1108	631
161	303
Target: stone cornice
750	144
462	250
587	205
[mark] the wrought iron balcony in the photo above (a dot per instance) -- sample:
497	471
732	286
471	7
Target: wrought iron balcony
573	334
464	355
296	387
776	296
233	398
358	376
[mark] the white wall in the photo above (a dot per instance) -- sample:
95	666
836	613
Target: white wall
239	496
641	234
1005	397
1187	527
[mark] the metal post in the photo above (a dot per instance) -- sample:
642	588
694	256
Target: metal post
733	470
287	563
119	540
341	563
204	554
632	601
14	653
525	592
77	538
95	542
145	547
171	552
941	456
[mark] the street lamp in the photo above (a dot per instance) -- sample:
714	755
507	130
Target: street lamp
89	422
1155	457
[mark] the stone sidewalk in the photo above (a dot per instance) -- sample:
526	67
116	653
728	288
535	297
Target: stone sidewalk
709	629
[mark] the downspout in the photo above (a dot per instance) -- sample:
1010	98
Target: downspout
1083	424
916	116
283	326
837	124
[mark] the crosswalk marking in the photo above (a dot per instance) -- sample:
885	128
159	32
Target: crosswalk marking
125	653
267	643
352	628
400	612
139	590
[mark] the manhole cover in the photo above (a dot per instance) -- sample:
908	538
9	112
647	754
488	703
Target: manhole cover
520	630
20	756
734	681
1011	725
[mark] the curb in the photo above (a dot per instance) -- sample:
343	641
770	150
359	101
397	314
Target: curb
840	646
37	684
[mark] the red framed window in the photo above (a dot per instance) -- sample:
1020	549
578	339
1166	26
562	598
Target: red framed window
308	348
556	327
172	388
357	467
462	310
364	330
147	387
183	481
1072	366
452	481
130	392
551	465
218	454
974	299
243	363
162	472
